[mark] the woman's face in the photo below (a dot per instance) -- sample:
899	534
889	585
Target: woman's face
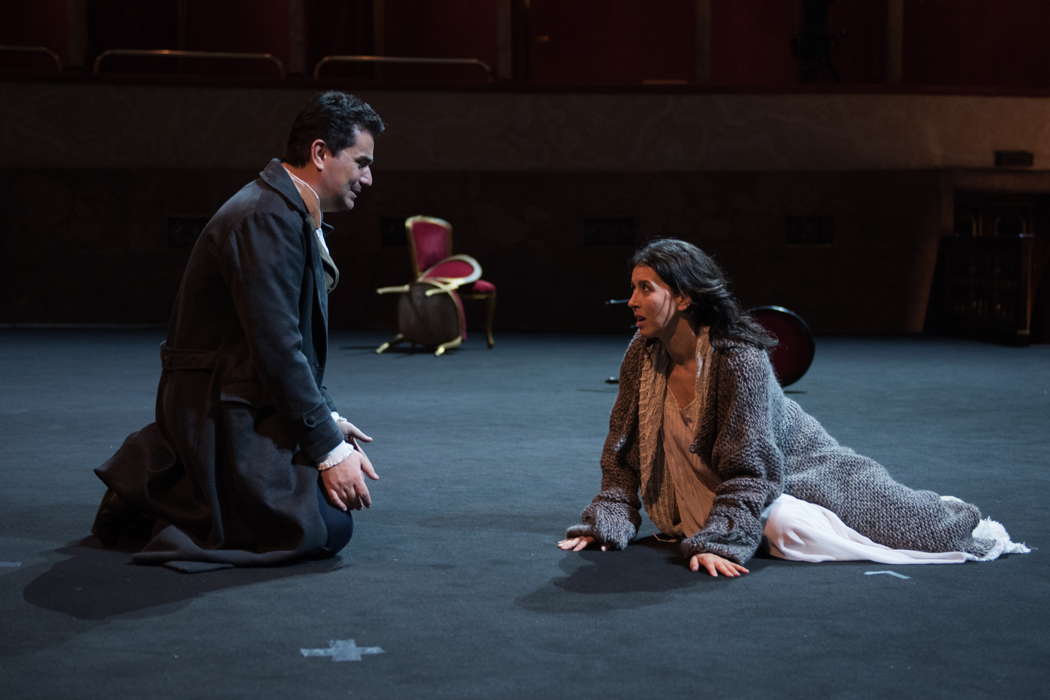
654	305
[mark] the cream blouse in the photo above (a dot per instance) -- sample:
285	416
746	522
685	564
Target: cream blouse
693	482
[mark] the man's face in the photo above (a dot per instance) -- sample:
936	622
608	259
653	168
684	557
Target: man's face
346	174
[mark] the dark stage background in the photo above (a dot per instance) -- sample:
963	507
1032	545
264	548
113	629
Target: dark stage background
821	150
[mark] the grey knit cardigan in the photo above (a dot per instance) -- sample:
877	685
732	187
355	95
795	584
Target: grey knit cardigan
762	444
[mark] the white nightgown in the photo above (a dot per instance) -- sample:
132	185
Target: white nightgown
793	529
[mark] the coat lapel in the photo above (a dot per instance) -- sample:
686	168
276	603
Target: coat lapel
277	177
321	275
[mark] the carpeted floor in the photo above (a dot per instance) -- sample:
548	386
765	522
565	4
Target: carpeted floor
453	574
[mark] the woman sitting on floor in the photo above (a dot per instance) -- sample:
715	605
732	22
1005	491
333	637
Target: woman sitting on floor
721	457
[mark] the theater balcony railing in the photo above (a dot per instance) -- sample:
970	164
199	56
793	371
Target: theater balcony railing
403	68
168	61
31	59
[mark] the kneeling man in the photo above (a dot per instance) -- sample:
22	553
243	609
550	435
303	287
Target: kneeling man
248	462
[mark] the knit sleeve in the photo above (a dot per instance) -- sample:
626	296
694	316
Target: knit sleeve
612	518
745	455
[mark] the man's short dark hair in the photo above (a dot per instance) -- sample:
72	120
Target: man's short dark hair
336	117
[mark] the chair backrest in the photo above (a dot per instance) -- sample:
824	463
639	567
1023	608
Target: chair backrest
455	270
430	239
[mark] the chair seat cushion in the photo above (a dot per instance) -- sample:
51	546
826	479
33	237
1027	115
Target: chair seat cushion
482	287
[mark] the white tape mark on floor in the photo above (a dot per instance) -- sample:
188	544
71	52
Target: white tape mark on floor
342	650
10	564
888	573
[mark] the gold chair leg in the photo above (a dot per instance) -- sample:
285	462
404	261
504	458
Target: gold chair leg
490	315
454	343
390	343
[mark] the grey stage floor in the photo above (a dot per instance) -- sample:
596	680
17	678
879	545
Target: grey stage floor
453	574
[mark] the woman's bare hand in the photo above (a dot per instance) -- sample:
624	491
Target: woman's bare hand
578	544
715	565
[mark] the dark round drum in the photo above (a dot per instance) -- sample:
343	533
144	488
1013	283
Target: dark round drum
428	320
795	348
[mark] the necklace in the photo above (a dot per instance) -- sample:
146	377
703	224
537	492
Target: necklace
312	191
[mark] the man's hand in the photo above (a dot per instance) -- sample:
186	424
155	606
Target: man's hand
344	484
351	432
715	565
578	544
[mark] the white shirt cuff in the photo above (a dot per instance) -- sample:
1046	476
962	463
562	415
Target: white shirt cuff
341	452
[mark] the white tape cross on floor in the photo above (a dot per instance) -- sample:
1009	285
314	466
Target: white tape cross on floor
342	650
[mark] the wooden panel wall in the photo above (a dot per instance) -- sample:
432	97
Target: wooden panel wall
100	185
42	23
962	44
977	42
598	42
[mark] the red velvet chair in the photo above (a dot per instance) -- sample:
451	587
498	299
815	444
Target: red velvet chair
434	265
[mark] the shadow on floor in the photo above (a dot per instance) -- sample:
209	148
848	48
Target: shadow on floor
646	573
97	584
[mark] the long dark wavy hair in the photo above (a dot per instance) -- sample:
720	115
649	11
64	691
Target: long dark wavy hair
691	272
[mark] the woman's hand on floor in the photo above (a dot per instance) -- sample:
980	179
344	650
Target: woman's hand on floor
715	565
578	544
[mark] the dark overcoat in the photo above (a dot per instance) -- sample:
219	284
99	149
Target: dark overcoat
242	418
